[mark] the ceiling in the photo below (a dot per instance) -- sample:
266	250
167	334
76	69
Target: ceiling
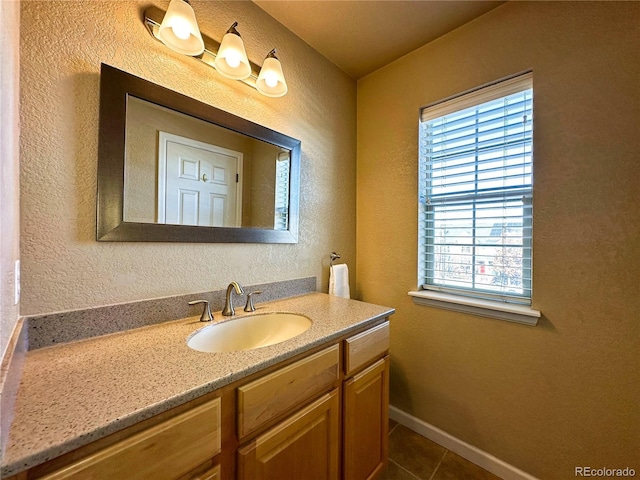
362	36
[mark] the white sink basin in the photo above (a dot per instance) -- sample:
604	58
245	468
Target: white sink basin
247	333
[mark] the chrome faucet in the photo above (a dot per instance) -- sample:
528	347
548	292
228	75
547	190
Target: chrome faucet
228	304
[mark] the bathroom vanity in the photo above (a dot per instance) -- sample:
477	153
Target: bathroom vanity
312	407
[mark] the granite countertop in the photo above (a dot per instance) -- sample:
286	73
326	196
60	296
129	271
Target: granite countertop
75	393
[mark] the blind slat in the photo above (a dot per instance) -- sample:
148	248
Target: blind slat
508	141
483	126
515	109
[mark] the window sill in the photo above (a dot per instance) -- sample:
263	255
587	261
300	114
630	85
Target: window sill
485	308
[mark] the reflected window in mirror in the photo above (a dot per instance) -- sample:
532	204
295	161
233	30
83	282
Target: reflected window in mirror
281	220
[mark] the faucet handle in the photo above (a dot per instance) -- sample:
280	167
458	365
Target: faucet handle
206	313
250	307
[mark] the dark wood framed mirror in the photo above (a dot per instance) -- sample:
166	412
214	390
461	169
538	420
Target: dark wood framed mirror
174	169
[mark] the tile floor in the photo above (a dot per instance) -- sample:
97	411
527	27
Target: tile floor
414	457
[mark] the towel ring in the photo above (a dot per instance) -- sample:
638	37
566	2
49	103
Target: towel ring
333	256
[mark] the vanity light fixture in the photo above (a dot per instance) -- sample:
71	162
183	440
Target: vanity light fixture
271	79
178	30
231	60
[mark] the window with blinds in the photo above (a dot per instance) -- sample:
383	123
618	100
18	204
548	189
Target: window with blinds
475	193
281	217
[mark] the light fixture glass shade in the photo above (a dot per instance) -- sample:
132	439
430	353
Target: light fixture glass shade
271	80
179	29
231	60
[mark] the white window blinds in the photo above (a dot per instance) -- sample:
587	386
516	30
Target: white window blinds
475	193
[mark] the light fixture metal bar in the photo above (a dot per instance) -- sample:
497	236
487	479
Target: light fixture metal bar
153	18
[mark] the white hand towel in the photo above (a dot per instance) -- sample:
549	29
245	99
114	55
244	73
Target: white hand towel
339	281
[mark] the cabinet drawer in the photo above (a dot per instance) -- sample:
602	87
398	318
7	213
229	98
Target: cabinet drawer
162	452
266	398
361	349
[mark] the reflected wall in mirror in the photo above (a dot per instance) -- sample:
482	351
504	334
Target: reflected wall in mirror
171	168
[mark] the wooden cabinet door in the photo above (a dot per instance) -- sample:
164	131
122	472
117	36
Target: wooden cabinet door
162	452
366	422
305	446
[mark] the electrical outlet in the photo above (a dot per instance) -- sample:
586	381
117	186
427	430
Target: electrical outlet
16	279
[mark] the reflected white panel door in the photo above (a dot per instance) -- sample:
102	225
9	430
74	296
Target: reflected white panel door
198	183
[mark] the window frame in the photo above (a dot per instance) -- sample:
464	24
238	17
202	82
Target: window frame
481	302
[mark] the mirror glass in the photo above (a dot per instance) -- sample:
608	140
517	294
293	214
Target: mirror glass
174	169
181	170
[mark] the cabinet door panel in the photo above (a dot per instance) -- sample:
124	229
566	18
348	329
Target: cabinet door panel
305	446
366	423
162	452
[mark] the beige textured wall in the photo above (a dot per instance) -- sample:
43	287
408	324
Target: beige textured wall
565	393
62	45
9	167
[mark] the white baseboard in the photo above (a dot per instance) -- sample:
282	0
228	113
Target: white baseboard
469	452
